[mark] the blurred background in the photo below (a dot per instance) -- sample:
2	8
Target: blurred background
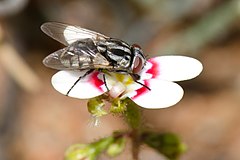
38	123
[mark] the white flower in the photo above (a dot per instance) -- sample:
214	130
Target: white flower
158	75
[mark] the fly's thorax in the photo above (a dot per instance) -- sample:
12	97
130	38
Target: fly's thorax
117	52
122	61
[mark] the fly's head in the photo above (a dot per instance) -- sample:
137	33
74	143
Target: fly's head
139	60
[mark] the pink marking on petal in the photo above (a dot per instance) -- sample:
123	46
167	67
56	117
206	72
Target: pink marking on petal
96	81
141	90
154	70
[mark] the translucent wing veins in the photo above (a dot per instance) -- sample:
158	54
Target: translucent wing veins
67	34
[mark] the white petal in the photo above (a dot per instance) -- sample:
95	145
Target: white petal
172	68
88	87
162	94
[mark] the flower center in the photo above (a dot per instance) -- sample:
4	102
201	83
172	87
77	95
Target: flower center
119	84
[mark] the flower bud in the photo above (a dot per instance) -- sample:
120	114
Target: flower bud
116	147
95	107
80	152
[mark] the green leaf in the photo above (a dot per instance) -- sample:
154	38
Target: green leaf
167	144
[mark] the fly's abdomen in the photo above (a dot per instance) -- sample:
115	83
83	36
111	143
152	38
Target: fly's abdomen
83	55
76	60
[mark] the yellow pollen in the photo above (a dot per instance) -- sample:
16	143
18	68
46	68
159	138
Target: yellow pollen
123	78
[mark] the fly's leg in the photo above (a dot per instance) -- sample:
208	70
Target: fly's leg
87	73
143	85
104	78
137	77
105	83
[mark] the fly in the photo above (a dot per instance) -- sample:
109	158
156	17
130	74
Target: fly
89	50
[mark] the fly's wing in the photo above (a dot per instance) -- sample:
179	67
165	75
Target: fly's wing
67	34
54	61
79	55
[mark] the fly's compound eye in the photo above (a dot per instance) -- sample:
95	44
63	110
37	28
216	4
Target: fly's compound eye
139	59
137	64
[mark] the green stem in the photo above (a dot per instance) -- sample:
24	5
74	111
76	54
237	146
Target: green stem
135	137
134	120
133	115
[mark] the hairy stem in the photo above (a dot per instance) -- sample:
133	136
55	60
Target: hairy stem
134	120
135	137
